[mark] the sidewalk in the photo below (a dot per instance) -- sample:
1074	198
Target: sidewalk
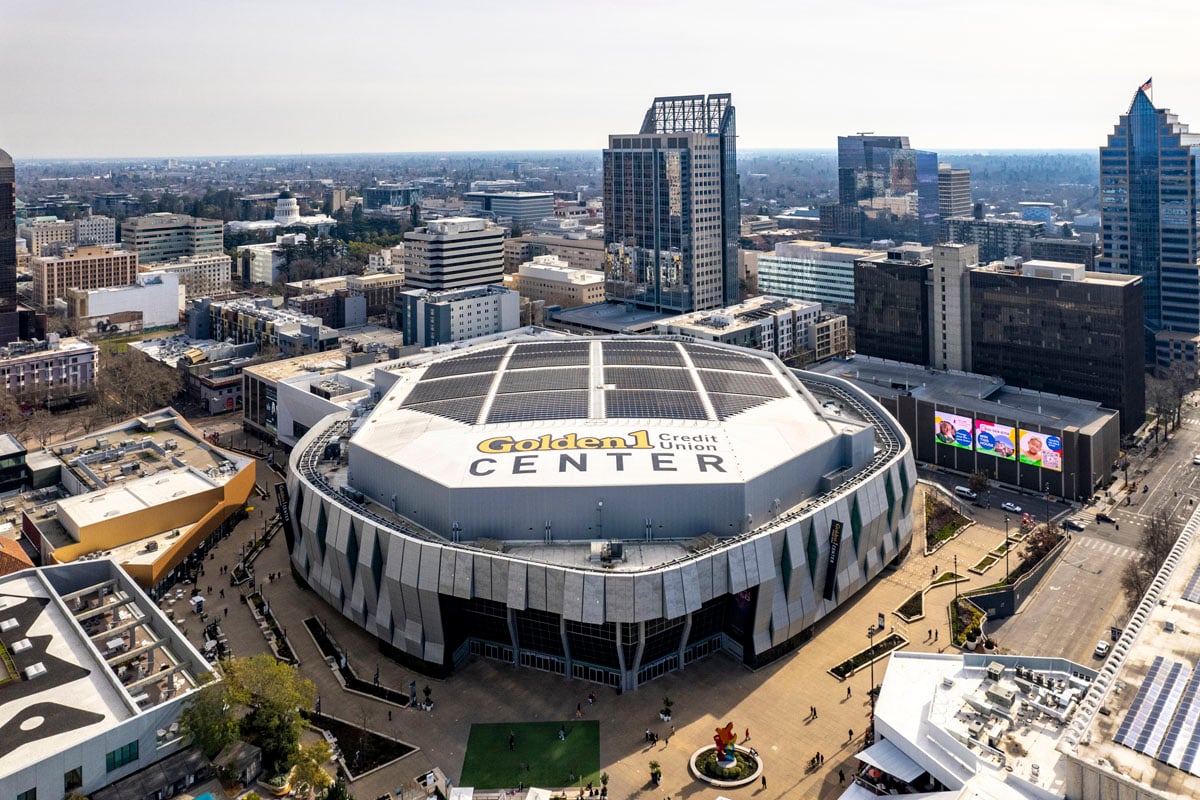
772	702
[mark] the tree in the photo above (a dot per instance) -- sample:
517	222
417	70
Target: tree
209	719
275	693
1158	537
338	791
308	773
978	482
41	425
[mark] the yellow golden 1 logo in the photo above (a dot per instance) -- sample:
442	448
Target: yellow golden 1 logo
637	440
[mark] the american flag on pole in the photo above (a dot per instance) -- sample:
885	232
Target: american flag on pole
1145	87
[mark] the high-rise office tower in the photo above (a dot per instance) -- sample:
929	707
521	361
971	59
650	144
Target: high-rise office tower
886	190
1150	223
671	207
9	324
954	192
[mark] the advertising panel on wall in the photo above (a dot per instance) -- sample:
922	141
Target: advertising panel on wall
953	430
1041	450
994	439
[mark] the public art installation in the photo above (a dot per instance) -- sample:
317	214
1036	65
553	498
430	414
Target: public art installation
726	739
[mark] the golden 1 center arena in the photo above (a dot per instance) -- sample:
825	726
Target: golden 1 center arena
609	508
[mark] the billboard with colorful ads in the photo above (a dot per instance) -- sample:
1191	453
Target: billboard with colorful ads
953	430
994	439
1041	450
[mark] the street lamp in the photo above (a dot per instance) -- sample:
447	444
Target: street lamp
1007	547
1046	497
871	692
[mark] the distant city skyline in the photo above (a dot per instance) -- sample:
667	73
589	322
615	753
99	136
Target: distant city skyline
228	78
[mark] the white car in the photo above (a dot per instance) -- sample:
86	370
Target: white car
1011	508
1196	459
1102	648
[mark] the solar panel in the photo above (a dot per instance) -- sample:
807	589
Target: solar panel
646	355
649	378
741	383
1180	747
464	410
640	403
729	405
1192	590
464	365
712	358
1145	724
549	354
527	406
449	388
537	380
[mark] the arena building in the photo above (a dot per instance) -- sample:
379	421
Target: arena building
610	508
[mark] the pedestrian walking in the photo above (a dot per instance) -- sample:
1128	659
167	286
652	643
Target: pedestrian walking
747	736
222	594
841	777
850	734
764	781
647	736
847	692
591	698
389	715
935	635
814	712
578	710
226	611
929	635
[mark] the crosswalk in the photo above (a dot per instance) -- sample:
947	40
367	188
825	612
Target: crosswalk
1101	547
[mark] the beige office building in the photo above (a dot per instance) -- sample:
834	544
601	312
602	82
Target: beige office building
87	267
551	279
579	253
162	237
42	234
201	275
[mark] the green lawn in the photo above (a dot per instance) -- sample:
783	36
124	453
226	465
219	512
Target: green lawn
539	759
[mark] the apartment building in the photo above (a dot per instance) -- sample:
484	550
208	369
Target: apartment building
83	267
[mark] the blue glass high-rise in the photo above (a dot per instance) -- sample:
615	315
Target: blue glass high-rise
1150	223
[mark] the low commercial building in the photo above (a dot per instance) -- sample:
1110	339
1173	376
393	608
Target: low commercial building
154	300
432	318
95	230
964	422
255	319
578	248
102	678
552	280
85	267
390	194
261	263
52	372
336	309
150	493
200	275
380	290
809	270
791	329
522	208
385	259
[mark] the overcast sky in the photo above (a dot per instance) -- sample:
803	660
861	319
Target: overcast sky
178	78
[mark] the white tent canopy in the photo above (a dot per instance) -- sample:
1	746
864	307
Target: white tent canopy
887	757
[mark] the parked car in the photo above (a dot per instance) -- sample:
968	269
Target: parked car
1012	507
1102	648
963	491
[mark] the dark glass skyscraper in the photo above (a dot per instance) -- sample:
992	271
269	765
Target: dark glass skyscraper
9	327
879	178
671	207
1150	223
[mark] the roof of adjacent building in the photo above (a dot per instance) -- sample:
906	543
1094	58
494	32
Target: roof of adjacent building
981	393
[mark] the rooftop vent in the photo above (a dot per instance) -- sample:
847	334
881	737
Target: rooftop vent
35	671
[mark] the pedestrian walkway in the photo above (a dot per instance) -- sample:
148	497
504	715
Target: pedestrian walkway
773	702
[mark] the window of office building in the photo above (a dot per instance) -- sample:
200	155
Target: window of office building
121	756
72	779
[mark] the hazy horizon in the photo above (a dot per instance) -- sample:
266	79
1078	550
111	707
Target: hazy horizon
167	80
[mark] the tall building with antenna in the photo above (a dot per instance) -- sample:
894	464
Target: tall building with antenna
671	207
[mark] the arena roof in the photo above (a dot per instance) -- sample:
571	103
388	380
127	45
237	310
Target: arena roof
709	414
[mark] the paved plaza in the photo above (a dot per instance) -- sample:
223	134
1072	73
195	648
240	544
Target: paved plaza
773	703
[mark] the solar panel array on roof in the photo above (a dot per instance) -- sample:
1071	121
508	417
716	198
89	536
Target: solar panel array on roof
538	405
713	358
463	410
540	380
730	405
740	383
463	365
639	403
558	354
649	378
650	355
450	388
1182	744
1147	720
1191	592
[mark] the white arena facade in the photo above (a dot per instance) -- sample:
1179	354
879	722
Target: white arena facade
605	508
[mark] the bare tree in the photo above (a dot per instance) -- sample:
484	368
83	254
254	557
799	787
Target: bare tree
1158	537
41	426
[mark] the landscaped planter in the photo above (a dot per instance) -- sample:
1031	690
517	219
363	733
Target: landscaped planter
751	767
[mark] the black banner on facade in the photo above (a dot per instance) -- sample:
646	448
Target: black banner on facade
835	547
283	506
